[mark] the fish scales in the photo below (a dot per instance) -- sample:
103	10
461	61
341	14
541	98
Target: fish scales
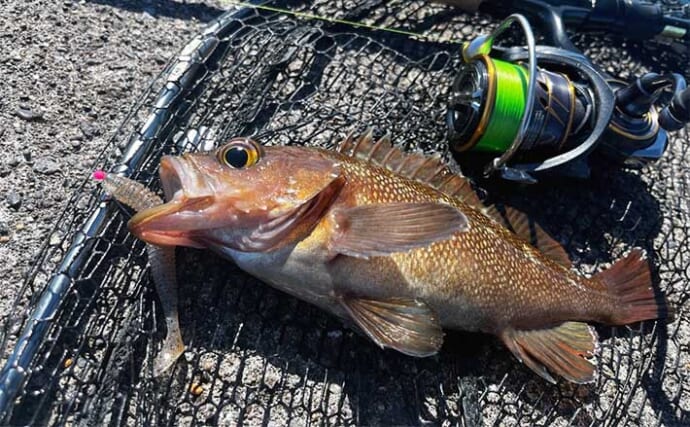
398	244
478	270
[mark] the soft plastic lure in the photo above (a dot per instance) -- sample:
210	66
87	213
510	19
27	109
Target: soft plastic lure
161	259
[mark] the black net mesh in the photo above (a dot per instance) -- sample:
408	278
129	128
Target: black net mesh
89	317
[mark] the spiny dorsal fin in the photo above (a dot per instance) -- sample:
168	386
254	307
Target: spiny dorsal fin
523	226
430	170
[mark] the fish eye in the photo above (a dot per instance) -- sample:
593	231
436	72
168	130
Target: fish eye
239	153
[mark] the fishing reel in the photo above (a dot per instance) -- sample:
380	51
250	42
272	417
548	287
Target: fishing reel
545	109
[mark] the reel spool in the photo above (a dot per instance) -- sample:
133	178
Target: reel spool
490	99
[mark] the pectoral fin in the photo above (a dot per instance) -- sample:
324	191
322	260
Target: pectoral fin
404	324
382	229
565	350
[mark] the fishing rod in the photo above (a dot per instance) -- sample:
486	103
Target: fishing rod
635	20
543	109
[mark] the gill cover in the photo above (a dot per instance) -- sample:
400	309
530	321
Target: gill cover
294	224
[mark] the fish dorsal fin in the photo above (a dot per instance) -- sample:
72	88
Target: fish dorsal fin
430	170
520	224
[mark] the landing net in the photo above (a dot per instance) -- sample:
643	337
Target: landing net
86	325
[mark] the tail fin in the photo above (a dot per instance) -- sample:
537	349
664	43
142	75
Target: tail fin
630	282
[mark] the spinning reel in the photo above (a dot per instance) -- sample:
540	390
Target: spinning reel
545	109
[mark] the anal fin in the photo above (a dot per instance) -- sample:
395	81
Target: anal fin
404	324
565	350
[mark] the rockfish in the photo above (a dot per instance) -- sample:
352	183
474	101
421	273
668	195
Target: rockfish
397	243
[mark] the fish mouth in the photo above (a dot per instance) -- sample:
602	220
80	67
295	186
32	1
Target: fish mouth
187	193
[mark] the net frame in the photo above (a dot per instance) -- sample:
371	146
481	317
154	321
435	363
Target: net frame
75	360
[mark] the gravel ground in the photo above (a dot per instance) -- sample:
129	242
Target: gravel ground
70	71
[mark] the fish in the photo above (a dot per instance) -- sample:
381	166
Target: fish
398	244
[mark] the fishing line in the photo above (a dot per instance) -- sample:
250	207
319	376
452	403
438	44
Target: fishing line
511	98
306	15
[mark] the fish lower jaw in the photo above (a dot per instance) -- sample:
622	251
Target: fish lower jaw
168	238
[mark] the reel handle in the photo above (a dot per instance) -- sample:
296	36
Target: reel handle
677	114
